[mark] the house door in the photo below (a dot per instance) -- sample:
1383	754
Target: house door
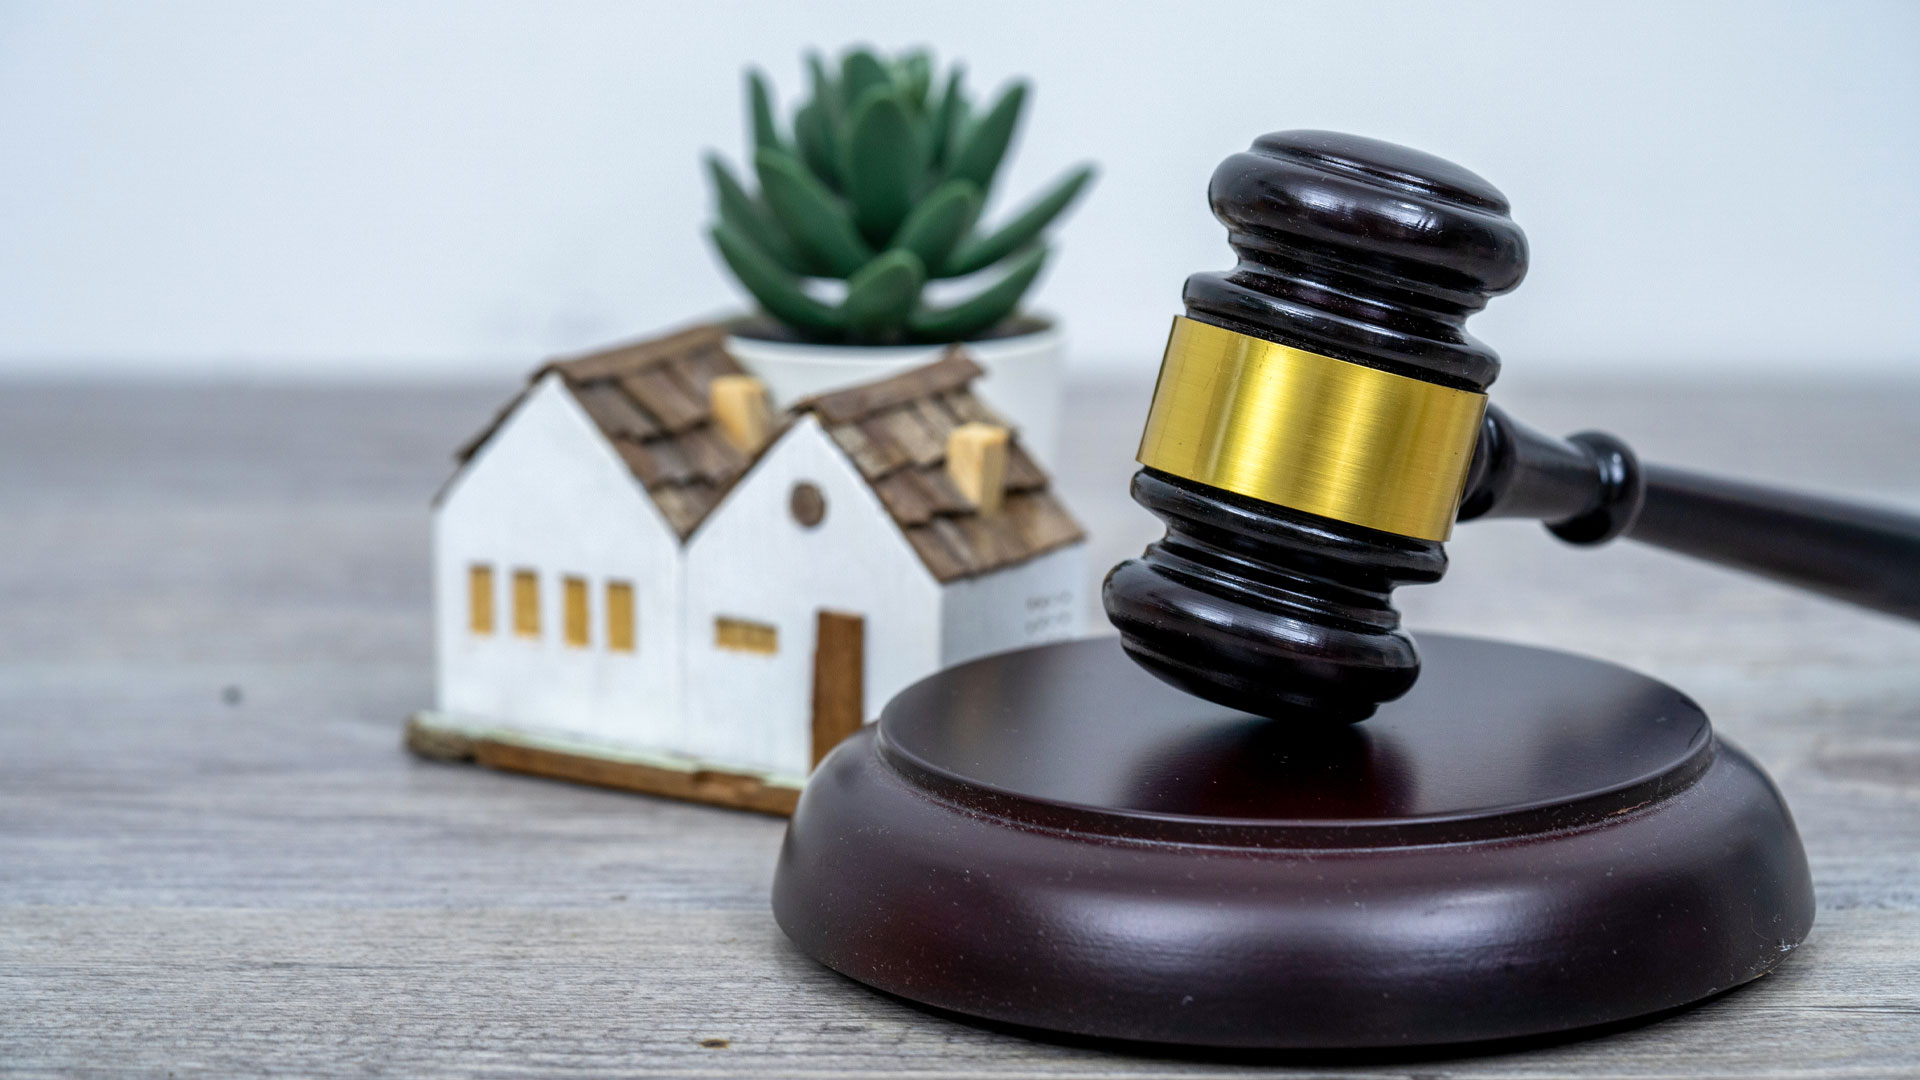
839	675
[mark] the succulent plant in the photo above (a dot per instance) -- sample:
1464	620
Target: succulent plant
881	185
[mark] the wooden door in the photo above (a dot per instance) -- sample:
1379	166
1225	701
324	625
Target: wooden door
839	675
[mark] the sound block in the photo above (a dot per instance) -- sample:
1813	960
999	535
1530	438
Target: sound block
1529	842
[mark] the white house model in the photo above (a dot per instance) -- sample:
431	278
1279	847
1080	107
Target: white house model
642	578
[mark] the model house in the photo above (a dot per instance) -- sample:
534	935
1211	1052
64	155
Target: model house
645	578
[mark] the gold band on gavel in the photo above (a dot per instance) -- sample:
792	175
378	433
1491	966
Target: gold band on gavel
1308	432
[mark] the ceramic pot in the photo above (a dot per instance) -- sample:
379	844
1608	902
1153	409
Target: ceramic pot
1023	379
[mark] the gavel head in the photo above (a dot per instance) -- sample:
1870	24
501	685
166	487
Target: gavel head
1312	427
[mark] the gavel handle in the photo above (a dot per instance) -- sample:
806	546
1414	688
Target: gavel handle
1590	488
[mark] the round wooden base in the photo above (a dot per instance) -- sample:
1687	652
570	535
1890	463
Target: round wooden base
1529	842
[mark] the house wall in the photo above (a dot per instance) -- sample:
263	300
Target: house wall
751	560
548	494
1027	604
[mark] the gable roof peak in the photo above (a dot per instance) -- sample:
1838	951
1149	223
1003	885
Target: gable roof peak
653	401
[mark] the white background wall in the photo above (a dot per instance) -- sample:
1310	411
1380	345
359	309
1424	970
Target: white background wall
417	188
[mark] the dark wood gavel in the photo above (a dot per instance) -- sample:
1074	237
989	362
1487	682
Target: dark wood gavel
1321	421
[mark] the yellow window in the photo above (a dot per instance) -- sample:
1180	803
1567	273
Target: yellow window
480	598
573	593
526	603
620	616
743	636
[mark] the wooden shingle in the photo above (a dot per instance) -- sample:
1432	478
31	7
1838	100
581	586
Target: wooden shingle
656	462
939	559
615	412
685	505
968	554
939	490
992	539
1023	473
667	398
952	371
902	430
938	420
969	409
1042	522
874	460
904	498
697	368
710	455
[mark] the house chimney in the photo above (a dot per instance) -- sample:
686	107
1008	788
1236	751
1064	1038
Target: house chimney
739	406
977	464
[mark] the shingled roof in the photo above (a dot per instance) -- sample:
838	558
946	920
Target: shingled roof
895	431
651	402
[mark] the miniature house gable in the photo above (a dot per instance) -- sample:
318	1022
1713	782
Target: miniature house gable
801	536
557	583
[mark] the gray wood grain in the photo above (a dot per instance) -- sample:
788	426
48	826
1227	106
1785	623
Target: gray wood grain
216	860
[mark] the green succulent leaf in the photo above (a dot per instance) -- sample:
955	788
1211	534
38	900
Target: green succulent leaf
984	144
916	76
884	162
751	219
764	132
962	119
826	93
828	103
813	216
984	309
861	71
819	143
940	133
880	296
777	291
938	224
982	252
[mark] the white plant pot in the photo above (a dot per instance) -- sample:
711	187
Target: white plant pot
1022	380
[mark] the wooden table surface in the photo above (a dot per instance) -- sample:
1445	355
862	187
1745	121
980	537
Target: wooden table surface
215	859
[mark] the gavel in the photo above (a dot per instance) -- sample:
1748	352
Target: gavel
1321	421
